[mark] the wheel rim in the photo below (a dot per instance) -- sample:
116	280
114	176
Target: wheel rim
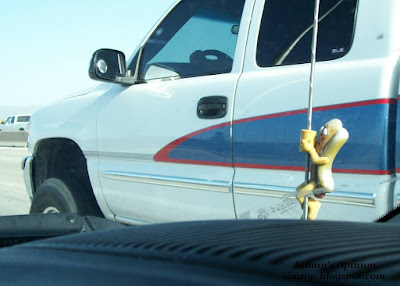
51	210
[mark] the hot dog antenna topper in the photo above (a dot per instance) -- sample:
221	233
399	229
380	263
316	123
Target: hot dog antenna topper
323	151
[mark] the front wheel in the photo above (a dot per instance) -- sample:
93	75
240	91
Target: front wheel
64	196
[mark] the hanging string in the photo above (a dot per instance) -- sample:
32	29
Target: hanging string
311	96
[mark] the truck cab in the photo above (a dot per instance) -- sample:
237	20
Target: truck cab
211	106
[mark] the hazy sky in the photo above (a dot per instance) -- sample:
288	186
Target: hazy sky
46	45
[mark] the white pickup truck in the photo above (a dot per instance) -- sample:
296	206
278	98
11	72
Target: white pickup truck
16	123
210	108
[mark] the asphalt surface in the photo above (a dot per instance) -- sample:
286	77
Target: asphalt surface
14	199
13	139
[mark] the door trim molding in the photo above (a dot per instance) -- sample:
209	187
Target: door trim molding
197	184
340	197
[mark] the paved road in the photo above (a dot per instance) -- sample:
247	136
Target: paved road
13	197
13	139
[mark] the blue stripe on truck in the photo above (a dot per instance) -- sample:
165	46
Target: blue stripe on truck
271	141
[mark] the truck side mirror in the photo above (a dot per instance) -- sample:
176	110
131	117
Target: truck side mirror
107	65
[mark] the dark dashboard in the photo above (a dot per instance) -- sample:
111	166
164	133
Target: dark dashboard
246	252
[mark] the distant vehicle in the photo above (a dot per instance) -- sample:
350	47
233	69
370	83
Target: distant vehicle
16	123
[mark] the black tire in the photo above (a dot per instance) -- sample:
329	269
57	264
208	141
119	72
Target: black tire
64	196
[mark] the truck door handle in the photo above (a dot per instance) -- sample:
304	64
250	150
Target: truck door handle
212	107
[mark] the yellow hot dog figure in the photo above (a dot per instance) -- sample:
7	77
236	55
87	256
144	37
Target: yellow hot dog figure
332	137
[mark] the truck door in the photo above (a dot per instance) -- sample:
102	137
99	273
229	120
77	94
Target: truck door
5	125
169	156
271	106
9	125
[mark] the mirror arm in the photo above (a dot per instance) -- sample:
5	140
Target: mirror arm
127	78
122	64
136	75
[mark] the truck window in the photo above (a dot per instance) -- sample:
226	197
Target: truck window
12	119
197	38
23	118
286	31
